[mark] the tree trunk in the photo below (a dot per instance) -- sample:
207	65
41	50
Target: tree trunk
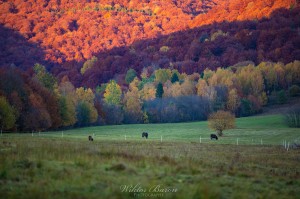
220	132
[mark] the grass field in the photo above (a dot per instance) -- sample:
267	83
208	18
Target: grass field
51	166
269	129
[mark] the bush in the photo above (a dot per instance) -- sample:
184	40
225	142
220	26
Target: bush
220	121
292	117
281	97
130	75
179	109
245	108
113	114
164	49
294	91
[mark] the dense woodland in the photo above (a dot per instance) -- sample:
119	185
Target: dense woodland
79	63
186	35
39	101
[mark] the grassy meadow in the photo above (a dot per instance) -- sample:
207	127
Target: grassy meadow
269	129
51	166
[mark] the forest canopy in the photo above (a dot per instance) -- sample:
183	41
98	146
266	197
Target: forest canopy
39	101
72	63
117	35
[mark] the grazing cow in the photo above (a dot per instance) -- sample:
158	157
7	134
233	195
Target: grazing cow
145	134
91	138
213	136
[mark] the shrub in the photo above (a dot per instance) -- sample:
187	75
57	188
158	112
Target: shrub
179	109
164	49
220	121
281	97
294	90
130	75
24	164
88	64
292	117
245	108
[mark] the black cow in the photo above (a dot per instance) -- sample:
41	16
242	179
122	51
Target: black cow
213	136
145	134
91	138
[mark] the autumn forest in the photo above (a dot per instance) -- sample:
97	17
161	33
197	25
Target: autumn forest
66	63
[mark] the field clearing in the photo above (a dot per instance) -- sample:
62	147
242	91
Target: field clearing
43	167
257	130
47	165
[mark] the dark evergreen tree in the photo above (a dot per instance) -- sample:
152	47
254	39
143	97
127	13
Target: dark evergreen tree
174	78
159	90
130	75
83	114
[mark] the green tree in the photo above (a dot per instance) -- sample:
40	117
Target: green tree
130	75
292	117
245	107
88	64
100	89
159	90
83	114
67	111
294	91
281	97
7	116
174	78
162	75
112	94
44	77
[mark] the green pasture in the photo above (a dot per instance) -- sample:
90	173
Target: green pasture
43	167
269	129
49	165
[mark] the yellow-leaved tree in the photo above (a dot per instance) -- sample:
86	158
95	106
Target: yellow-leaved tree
233	101
67	102
133	102
204	90
88	64
220	121
86	111
148	92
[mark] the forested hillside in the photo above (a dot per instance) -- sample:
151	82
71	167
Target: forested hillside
137	34
80	63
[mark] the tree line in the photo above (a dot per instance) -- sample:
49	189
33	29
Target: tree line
39	101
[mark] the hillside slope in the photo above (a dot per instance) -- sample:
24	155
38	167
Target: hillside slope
71	32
